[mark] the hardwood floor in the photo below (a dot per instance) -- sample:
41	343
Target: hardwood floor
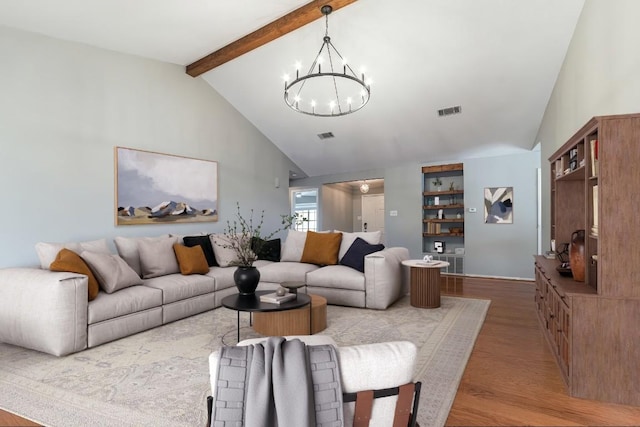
512	378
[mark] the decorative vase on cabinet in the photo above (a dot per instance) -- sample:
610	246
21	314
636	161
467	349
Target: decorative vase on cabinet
576	255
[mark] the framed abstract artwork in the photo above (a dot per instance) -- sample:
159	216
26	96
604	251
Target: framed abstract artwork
155	188
498	205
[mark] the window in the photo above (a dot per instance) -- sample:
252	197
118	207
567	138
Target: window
305	204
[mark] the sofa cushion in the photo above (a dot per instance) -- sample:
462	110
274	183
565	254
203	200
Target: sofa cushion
267	250
128	249
191	260
47	252
67	260
354	257
279	272
112	272
336	276
122	303
224	256
157	257
293	246
205	243
321	248
371	237
176	287
223	277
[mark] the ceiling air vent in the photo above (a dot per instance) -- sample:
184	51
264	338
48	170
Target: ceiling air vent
449	111
325	135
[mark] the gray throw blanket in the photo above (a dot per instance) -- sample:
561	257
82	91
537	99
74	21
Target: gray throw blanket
278	383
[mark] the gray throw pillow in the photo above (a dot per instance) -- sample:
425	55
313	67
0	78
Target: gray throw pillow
157	257
111	271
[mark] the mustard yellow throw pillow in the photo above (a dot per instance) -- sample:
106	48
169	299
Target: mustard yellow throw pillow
67	260
191	259
321	248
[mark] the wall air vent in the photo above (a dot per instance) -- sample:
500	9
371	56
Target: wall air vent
449	111
325	135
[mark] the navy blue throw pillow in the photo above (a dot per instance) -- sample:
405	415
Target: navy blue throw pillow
207	248
354	257
267	250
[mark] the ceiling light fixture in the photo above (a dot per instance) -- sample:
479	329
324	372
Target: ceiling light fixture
364	187
329	93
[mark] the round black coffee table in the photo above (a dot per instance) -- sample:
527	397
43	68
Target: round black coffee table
252	303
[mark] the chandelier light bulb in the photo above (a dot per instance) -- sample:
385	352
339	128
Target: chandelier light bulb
285	78
364	188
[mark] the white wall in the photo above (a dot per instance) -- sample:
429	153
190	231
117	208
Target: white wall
63	108
600	76
336	207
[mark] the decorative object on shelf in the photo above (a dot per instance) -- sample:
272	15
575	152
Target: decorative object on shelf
498	205
576	255
451	186
185	189
440	214
438	246
438	183
329	85
364	187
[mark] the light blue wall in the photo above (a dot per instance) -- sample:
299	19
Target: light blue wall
491	250
501	249
63	108
600	76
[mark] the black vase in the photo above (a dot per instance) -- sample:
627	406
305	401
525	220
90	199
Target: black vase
246	279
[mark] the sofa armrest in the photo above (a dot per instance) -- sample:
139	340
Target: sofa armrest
383	276
43	310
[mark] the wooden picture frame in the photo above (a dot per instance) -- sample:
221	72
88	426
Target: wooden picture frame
156	188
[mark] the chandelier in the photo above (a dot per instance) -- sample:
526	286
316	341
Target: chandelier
330	93
364	187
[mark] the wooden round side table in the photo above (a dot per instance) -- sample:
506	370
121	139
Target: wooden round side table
425	282
299	321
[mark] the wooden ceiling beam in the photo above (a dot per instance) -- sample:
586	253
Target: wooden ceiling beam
290	22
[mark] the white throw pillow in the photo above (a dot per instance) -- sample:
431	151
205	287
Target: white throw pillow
111	271
157	257
293	246
371	237
128	249
224	256
47	252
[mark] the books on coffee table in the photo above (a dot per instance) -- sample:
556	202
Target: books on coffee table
274	298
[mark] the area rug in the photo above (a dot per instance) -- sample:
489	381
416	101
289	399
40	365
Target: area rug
160	377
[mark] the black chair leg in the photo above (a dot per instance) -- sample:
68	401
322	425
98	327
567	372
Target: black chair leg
209	410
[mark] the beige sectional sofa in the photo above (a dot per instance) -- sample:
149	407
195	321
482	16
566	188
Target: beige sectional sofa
49	311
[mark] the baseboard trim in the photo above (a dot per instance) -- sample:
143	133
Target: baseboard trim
483	276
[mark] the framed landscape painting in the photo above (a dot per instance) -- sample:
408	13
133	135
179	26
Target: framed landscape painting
155	188
498	205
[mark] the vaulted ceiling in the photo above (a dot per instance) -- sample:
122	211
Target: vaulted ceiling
497	59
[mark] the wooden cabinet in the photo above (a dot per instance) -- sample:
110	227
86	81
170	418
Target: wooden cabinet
592	326
443	208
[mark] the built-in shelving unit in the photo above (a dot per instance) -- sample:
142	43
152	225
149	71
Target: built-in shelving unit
443	211
592	325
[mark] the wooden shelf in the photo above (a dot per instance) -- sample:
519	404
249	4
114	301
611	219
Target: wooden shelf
589	325
436	207
443	235
575	175
442	193
444	220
